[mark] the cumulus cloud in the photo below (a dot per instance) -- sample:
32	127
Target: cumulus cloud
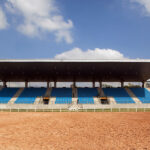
144	3
3	20
96	54
40	16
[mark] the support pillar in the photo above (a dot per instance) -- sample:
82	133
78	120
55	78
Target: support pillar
26	84
122	84
4	84
47	84
55	84
100	84
143	84
93	84
74	84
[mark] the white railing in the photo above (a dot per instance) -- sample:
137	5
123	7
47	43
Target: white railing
120	109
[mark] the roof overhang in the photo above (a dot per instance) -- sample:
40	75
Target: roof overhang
75	70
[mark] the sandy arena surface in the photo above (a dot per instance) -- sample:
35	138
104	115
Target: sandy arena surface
74	131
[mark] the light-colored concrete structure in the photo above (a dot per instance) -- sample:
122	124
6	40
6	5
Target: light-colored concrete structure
52	100
38	100
111	100
74	100
96	100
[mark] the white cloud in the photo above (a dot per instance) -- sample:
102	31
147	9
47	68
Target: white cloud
3	20
145	4
40	16
97	53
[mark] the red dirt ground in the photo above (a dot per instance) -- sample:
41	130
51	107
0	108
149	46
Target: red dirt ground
74	131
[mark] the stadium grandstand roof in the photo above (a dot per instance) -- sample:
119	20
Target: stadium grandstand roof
75	70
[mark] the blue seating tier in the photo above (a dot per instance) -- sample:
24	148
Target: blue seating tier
120	95
29	95
6	94
63	100
85	95
86	100
142	94
63	95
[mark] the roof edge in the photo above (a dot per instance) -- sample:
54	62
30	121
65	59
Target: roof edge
74	60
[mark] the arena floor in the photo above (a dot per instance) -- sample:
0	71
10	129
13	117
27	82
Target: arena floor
74	131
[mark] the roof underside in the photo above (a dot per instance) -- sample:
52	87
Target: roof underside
68	71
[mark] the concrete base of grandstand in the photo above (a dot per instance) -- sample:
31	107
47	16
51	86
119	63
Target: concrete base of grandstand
72	106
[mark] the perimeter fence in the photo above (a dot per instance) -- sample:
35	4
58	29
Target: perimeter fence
78	110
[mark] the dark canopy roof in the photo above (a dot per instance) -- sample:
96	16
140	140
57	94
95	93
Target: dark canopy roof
74	70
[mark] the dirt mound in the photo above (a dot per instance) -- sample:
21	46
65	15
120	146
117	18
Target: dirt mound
82	131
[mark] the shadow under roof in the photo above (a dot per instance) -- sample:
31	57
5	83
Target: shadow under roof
75	70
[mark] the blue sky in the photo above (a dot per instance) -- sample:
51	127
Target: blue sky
72	29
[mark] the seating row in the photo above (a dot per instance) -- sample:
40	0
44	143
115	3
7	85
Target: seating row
64	95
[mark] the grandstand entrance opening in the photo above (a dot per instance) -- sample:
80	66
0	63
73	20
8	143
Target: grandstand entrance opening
46	100
104	100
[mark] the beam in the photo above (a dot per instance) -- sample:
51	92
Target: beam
74	84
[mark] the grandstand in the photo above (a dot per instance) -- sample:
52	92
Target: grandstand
74	71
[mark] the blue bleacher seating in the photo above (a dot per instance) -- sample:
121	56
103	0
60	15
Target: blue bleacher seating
63	95
6	94
29	95
85	95
142	94
120	95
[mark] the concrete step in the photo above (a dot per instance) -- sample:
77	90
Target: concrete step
112	100
52	100
14	98
96	100
137	101
38	100
74	100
